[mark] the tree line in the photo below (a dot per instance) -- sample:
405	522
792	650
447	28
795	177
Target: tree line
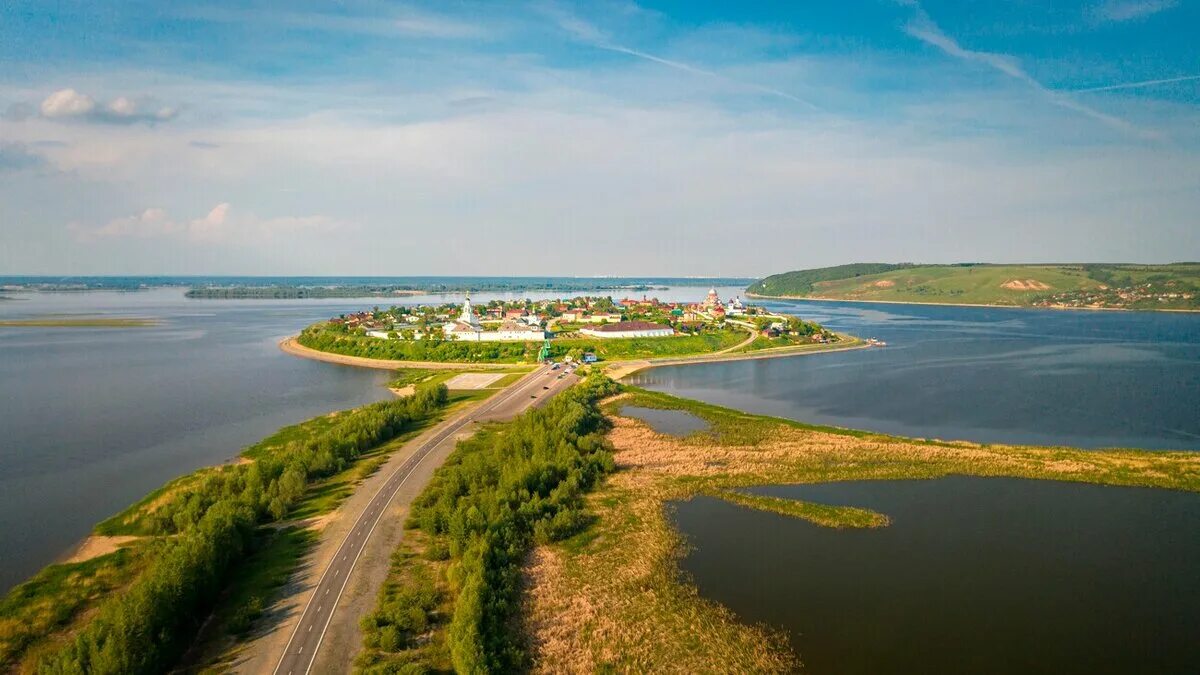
497	494
147	627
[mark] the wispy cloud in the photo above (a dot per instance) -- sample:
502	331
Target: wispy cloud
405	21
218	226
923	27
1116	11
16	156
1139	85
589	34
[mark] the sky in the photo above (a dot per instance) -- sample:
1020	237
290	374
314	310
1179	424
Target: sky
597	138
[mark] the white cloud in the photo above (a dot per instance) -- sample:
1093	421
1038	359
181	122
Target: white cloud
1115	11
67	103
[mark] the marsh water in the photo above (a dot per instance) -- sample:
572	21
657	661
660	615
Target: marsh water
974	575
672	422
92	419
1046	377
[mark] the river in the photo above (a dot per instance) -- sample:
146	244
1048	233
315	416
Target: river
1045	377
92	419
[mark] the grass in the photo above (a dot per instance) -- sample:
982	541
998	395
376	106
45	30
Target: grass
277	554
622	349
824	515
613	598
97	322
1174	286
45	609
34	613
415	567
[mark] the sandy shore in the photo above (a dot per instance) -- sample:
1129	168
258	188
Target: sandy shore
293	347
95	546
615	369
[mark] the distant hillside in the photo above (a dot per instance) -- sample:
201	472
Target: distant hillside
1092	286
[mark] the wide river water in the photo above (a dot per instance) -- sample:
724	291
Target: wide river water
93	419
973	575
1076	378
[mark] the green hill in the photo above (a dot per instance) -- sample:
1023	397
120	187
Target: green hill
1093	286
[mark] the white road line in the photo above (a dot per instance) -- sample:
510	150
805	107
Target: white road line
416	458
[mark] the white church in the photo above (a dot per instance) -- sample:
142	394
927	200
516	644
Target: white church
467	328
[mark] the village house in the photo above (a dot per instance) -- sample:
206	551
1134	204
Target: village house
628	329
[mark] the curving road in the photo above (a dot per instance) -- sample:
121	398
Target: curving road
316	615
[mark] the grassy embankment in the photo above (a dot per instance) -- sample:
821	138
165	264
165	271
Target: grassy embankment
90	322
453	589
218	542
1097	286
612	597
325	337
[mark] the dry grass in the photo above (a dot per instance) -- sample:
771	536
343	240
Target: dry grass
613	599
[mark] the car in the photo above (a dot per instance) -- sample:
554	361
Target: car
545	387
533	396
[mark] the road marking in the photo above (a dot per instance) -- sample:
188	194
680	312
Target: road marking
417	457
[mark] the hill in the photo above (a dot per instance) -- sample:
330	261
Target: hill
1090	286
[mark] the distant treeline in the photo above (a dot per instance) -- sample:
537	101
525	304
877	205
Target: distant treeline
291	292
147	627
496	495
801	282
294	292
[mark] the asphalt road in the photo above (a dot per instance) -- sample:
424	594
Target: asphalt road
305	642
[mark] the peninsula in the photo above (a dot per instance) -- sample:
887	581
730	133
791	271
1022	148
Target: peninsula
1068	286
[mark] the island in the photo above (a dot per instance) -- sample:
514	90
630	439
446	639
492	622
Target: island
583	329
1175	286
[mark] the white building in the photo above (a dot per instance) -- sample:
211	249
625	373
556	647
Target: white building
735	307
628	329
467	328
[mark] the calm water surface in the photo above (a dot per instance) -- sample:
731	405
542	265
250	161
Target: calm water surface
1085	379
92	419
973	575
673	422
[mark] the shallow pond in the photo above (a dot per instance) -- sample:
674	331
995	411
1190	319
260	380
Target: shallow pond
673	422
974	575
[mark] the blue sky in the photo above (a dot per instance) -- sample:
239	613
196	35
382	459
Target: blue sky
594	138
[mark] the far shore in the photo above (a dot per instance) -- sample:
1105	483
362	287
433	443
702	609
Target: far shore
965	304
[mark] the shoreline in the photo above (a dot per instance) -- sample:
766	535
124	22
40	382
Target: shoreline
615	369
290	345
969	304
619	370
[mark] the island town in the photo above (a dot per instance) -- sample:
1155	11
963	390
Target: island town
583	328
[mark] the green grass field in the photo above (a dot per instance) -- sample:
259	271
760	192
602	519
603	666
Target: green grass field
648	348
1096	286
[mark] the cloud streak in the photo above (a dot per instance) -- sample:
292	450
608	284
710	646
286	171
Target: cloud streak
922	27
588	34
1138	85
1117	11
218	226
